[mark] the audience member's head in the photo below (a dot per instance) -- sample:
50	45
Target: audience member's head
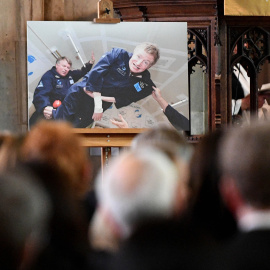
24	214
139	186
165	138
175	146
206	204
67	245
56	144
9	150
245	158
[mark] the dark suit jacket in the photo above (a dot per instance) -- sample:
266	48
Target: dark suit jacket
247	251
164	245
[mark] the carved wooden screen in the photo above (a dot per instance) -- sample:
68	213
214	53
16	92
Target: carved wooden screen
250	47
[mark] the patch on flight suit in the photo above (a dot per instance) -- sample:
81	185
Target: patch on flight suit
137	87
71	80
122	70
40	84
59	84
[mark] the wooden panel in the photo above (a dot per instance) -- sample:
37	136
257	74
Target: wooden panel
128	3
165	10
181	10
107	137
37	10
54	10
131	14
85	10
24	13
69	10
8	100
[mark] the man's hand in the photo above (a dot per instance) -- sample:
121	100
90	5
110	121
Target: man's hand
47	112
121	124
156	94
97	116
245	105
92	61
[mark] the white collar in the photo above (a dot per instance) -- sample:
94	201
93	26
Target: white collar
135	75
255	220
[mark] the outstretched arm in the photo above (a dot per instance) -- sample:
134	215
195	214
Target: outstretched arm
103	98
156	94
179	121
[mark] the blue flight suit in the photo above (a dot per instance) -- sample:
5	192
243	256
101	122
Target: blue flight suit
53	86
111	77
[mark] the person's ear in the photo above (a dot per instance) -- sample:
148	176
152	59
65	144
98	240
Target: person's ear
230	194
29	252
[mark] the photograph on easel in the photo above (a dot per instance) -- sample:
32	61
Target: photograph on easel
93	75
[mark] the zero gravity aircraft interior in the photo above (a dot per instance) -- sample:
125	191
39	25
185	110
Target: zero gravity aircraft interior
48	40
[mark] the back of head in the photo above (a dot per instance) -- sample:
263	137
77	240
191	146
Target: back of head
165	138
245	158
67	242
24	213
206	206
55	143
139	185
9	150
204	172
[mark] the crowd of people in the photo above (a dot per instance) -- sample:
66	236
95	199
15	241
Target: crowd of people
161	203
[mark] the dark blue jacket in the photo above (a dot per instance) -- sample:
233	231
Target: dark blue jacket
53	86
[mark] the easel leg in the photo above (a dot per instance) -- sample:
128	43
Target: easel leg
105	157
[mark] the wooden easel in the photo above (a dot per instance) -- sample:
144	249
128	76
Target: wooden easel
105	12
106	138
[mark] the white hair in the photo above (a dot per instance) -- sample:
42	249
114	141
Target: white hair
153	177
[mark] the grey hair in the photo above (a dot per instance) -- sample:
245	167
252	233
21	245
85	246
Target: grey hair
245	158
152	196
58	60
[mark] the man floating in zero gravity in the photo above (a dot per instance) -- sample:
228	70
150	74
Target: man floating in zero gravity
119	77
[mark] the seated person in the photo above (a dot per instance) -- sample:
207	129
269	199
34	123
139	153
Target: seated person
241	93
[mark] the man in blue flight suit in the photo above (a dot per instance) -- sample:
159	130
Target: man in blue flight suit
119	77
54	85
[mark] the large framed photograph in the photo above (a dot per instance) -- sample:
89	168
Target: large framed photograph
129	74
